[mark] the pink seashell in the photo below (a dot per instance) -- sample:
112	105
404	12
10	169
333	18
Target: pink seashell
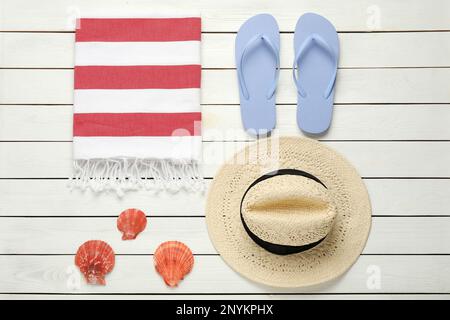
131	222
173	260
95	258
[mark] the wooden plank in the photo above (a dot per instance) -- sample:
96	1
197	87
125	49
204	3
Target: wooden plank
54	198
53	86
352	15
36	50
223	123
423	85
407	197
36	122
350	122
371	159
135	274
319	296
352	86
358	50
389	235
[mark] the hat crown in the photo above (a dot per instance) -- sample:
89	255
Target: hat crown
289	210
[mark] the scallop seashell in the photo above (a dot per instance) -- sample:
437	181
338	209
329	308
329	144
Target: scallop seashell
173	260
95	258
131	222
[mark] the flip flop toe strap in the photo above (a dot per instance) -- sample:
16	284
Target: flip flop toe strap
251	44
310	41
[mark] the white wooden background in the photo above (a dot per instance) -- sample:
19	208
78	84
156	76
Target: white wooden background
392	120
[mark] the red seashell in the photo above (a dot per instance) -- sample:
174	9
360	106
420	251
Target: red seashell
131	222
173	260
95	258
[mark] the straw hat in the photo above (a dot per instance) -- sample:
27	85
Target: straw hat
288	212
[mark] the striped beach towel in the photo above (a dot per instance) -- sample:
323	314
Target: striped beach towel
137	118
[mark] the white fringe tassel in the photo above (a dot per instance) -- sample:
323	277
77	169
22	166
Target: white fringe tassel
124	174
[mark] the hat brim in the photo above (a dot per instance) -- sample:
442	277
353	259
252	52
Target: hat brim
332	257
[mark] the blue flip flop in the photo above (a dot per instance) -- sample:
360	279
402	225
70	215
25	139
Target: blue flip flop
316	47
258	63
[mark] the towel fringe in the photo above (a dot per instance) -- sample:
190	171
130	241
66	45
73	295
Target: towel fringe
124	174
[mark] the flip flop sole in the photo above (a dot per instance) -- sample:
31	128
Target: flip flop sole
316	68
259	68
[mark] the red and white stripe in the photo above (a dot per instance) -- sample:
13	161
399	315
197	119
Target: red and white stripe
137	89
